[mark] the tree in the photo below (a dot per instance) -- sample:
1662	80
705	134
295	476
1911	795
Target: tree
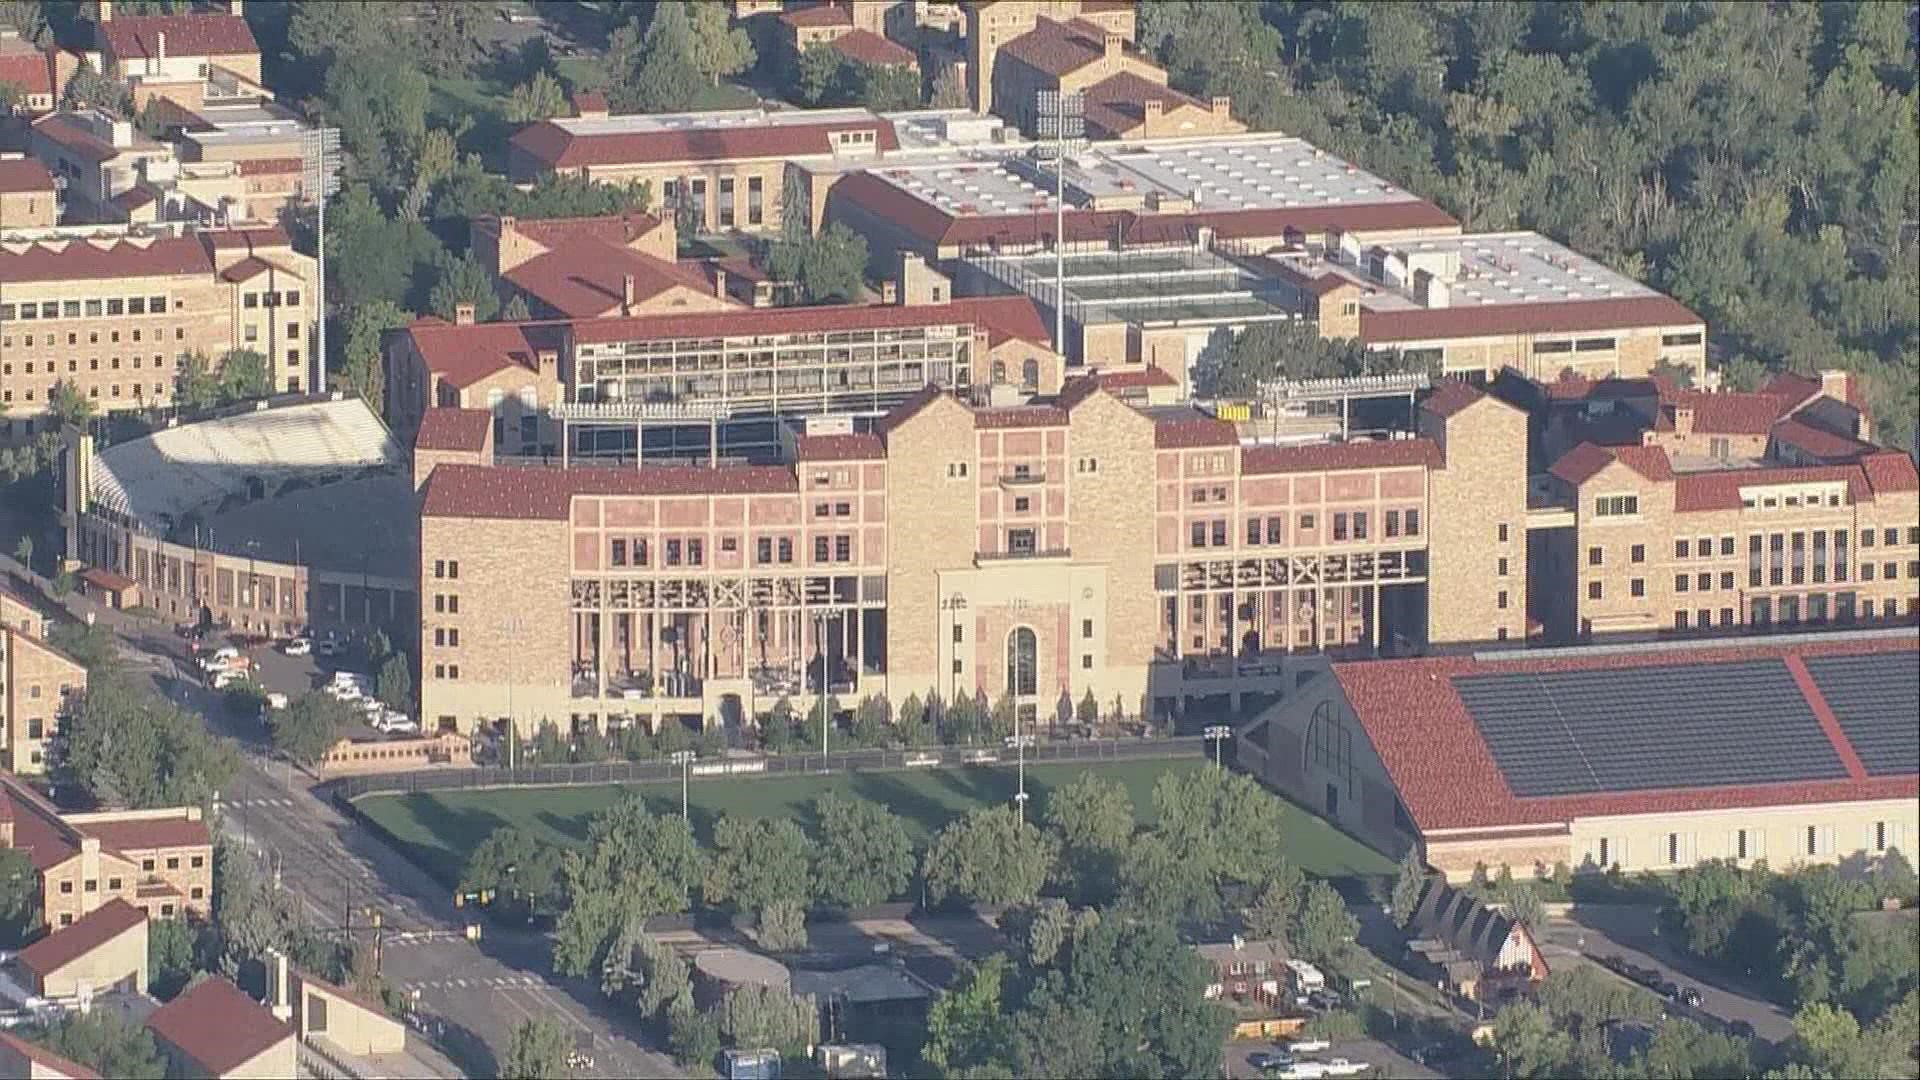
196	387
27	18
774	1016
105	1041
125	745
378	99
363	366
949	89
11	95
90	645
864	856
1828	1038
1088	711
372	256
818	74
719	48
537	1051
1092	818
1683	1050
460	281
19	896
1237	365
1222	827
515	309
783	927
665	978
1407	887
245	375
1525	1041
1275	910
666	76
1139	992
635	865
1327	929
968	1032
886	87
871	725
519	869
758	861
693	1036
68	405
87	88
539	98
449	34
305	730
395	682
827	268
170	948
991	856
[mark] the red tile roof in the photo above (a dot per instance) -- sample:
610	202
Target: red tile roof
839	448
557	148
1448	779
588	101
1818	442
1576	388
138	36
1585	461
249	267
46	1058
1724	413
19	175
585	278
70	943
869	48
1720	489
1890	470
107	579
218	1026
817	16
1192	432
1117	104
910	408
66	131
1008	316
1557	317
83	260
37	828
1129	380
453	429
149	834
620	230
30	70
1334	457
514	493
1060	48
463	355
1451	396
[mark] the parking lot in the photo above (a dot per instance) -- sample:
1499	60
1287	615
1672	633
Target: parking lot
1381	1059
277	673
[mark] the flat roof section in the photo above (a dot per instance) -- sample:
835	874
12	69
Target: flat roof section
1493	269
1875	699
1683	725
1252	172
716	120
1143	285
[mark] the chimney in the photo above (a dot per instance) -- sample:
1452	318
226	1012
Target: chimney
719	283
889	292
104	13
1683	420
626	294
160	47
237	8
1112	44
1835	383
547	360
1430	290
1239	943
463	315
1154	109
1222	105
282	989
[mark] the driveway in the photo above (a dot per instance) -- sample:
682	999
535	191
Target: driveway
1594	931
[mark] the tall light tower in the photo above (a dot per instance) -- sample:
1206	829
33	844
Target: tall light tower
320	180
1217	734
1061	119
684	759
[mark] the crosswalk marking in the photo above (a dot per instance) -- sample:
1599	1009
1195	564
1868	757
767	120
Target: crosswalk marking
502	982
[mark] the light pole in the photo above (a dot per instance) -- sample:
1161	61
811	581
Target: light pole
684	759
1217	734
820	639
1020	743
509	629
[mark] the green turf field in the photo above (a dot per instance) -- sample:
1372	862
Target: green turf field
438	830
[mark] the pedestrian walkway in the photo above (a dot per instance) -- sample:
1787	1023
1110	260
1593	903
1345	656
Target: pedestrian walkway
471	983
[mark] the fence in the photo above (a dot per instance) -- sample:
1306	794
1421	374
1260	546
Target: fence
635	772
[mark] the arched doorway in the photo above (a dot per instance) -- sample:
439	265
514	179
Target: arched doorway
1023	660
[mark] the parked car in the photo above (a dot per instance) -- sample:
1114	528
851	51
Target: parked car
298	646
344	691
224	679
1740	1029
276	700
1308	1046
1267	1061
399	723
1686	995
329	647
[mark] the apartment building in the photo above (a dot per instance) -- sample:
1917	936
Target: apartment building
1693	511
992	24
754	363
1789	751
1045	551
1124	93
730	167
181	57
160	861
38	683
111	312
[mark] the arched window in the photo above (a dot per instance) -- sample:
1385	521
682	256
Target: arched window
1030	374
999	372
1023	653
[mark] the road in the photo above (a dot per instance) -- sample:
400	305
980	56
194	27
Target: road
1383	1059
1628	930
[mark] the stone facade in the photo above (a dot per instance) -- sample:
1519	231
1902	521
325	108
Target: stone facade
1478	524
40	684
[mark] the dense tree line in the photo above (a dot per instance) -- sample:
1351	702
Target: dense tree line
1757	161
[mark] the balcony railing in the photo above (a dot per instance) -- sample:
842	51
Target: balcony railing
1022	479
1038	553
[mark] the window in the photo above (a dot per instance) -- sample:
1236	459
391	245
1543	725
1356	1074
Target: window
1086	628
1360	525
756	211
1593	590
1306	522
1253	531
1413	523
1679	620
1595	557
1680	339
820	549
1679	549
1726	545
1500	568
91	885
1021	504
1197	534
786	549
1220	534
959	633
763	550
725	202
1891	537
1393	523
1866	538
842	548
1022	662
113	884
147	865
1613	506
1726	579
1500	600
66	886
1276	529
1339	526
1637	587
673	553
618	557
1638	553
1020	541
173	862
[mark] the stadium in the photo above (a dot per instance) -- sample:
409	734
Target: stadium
263	519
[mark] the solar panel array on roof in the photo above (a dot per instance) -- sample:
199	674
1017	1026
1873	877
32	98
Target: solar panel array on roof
1876	699
1635	729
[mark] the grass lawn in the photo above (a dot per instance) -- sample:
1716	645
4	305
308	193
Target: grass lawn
438	830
